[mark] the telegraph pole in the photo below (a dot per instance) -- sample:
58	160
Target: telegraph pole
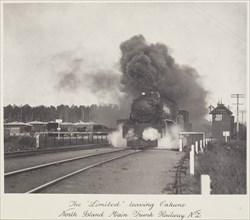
237	96
242	115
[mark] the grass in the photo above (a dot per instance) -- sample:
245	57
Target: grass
226	165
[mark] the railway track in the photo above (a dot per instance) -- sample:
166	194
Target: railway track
37	178
52	150
178	176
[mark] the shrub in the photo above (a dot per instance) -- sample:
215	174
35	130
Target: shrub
19	143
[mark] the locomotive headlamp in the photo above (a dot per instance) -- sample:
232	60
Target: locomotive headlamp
143	93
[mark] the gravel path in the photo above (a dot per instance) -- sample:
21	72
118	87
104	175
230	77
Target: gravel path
16	163
148	172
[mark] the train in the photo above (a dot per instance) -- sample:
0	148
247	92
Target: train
30	128
75	127
149	111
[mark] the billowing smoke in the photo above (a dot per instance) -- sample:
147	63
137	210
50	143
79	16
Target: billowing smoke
103	81
150	66
150	134
81	80
131	135
69	78
98	81
143	67
80	75
169	139
116	139
166	109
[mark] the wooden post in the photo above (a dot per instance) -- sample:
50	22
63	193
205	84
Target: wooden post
45	139
37	141
196	147
192	148
205	185
191	162
180	145
201	146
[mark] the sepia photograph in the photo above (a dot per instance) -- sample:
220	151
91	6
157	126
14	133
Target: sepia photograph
110	106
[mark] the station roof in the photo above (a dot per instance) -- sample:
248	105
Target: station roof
37	123
67	123
16	123
84	123
221	108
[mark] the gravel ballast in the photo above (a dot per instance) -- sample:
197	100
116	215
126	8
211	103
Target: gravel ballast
148	172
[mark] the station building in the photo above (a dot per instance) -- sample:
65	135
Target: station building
222	121
16	128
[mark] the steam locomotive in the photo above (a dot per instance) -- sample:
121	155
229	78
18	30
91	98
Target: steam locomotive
149	111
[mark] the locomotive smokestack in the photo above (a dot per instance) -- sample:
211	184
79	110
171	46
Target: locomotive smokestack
150	66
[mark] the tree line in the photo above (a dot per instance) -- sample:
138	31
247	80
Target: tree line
106	115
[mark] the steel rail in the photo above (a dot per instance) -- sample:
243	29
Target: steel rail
57	162
53	182
178	186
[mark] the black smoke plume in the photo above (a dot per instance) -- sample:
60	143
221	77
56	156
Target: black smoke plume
143	67
74	76
69	79
151	67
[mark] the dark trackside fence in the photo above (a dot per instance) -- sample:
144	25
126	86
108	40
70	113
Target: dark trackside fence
55	139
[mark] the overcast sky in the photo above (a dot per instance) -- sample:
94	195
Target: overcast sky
41	40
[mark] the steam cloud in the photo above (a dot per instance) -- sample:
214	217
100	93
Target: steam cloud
169	139
150	66
116	139
150	134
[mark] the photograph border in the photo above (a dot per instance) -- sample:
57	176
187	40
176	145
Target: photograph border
50	206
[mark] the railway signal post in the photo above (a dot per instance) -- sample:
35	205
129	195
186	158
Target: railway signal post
59	121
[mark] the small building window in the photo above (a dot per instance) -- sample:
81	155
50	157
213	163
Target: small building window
218	117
